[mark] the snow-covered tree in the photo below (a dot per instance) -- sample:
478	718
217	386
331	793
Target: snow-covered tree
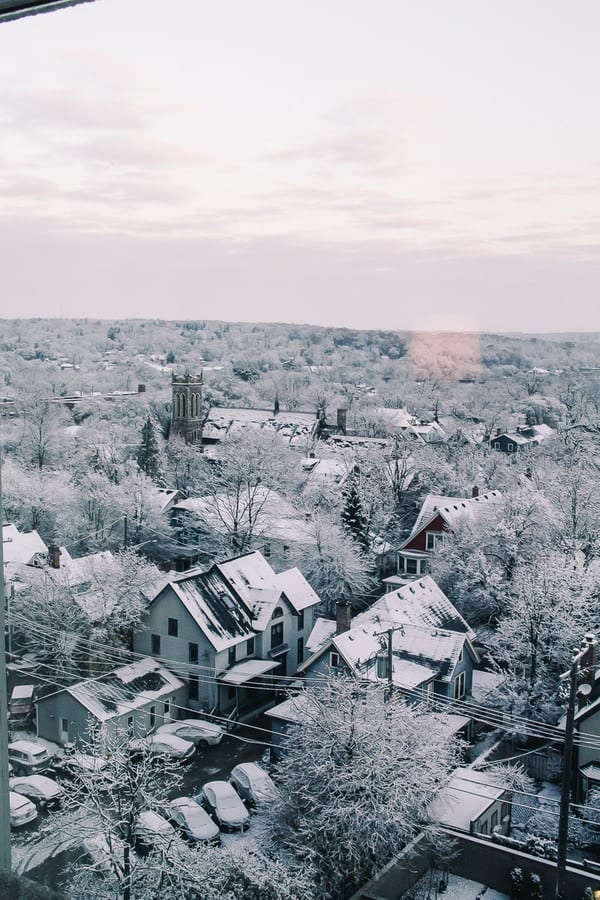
148	454
375	768
335	565
354	519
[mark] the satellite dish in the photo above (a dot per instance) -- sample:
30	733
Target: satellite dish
585	690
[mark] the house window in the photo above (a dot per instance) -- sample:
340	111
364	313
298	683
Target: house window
461	658
64	727
496	445
173	628
193	693
155	644
494	820
483	828
411	566
152	716
334	659
249	646
430	540
277	634
459	686
130	724
231	656
301	620
277	613
286	551
300	650
509	446
193	653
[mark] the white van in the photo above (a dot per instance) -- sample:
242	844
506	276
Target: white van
28	757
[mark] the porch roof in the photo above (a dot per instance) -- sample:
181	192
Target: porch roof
245	671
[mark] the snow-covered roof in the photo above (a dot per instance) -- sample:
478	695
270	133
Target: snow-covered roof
531	435
236	598
278	518
291	710
294	427
21	547
247	670
124	689
451	508
430	638
465	798
323	471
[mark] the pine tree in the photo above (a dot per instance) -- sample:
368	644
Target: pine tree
353	517
148	455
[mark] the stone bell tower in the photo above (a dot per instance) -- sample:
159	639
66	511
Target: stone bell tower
186	415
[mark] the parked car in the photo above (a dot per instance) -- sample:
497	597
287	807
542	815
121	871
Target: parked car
252	783
81	765
198	731
225	806
167	745
192	821
29	757
42	790
152	832
22	810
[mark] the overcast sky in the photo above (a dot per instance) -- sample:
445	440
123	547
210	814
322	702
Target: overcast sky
383	164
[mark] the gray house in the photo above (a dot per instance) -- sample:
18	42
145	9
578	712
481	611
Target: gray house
229	630
432	654
134	698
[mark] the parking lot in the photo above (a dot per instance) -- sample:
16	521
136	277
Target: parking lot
46	846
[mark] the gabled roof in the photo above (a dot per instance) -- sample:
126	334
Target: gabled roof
522	436
427	646
236	598
124	689
452	509
21	547
293	426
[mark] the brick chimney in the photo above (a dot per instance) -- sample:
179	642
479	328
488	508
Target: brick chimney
54	554
343	616
342	417
475	491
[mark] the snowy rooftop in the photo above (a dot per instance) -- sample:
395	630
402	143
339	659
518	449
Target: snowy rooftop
125	689
451	508
278	518
322	632
467	795
21	547
419	602
295	427
247	670
291	710
236	598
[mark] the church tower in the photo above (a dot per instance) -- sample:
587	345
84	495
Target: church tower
186	415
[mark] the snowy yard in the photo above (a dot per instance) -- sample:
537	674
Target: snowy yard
457	889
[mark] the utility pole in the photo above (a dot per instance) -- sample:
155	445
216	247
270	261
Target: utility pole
5	864
565	795
125	535
389	634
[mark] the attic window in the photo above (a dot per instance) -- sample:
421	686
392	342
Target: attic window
277	613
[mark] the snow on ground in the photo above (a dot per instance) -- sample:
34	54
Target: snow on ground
458	889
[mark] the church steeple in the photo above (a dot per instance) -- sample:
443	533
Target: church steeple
186	415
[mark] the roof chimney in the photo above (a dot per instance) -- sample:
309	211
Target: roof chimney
276	404
475	491
343	616
342	415
54	554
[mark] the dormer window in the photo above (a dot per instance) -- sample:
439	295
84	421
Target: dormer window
277	613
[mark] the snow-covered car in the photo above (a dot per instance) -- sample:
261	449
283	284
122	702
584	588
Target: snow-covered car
152	832
22	810
192	821
252	783
29	757
198	731
80	766
225	806
42	790
167	745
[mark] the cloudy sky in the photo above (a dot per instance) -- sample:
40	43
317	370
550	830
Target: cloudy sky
394	163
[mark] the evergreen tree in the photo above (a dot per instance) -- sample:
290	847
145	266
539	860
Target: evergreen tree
353	517
148	455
